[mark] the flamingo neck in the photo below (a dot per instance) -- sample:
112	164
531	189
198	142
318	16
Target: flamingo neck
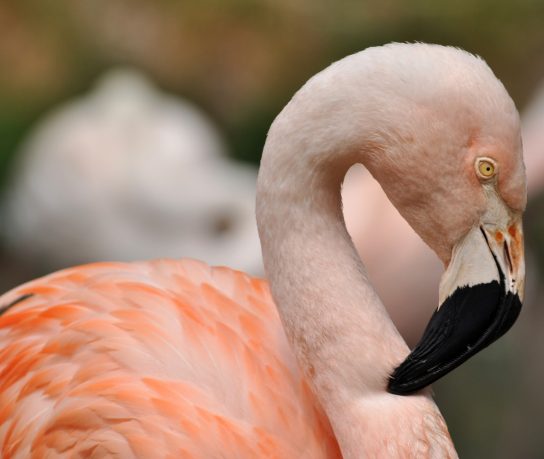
337	326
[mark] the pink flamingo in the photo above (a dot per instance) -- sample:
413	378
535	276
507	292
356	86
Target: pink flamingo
177	359
533	142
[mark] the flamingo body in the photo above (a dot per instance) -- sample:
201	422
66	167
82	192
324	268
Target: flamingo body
155	359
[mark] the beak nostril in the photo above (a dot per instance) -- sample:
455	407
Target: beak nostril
508	258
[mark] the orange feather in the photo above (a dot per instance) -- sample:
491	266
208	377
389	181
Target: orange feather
155	359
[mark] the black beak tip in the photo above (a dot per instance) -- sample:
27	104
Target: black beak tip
396	387
406	385
467	322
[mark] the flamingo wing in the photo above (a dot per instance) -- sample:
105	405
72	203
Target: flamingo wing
154	359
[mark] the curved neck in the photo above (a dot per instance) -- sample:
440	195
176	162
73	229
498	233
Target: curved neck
389	115
339	329
337	326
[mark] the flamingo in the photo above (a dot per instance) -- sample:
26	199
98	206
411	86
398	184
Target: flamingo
178	359
127	173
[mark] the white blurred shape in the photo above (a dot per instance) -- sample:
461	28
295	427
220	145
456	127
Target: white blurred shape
125	173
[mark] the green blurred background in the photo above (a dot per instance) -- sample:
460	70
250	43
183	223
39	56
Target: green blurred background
241	60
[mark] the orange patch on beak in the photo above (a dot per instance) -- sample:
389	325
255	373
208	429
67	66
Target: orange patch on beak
516	243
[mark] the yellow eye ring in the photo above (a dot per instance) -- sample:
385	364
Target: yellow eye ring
485	168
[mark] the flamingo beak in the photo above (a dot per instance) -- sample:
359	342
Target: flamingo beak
481	293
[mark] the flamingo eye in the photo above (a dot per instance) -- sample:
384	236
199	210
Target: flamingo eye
485	168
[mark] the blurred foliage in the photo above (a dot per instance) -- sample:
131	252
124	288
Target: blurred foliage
242	60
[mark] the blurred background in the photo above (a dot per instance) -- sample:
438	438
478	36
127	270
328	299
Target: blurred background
132	129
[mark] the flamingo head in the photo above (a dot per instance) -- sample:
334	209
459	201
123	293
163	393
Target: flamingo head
455	171
439	132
